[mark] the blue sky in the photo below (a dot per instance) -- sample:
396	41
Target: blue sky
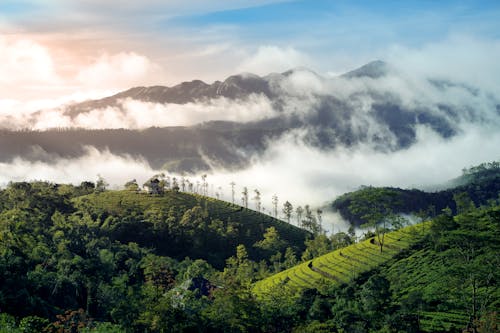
186	39
411	21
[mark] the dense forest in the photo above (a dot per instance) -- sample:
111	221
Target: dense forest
85	259
481	183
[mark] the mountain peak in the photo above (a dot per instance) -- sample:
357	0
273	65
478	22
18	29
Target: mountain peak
300	69
374	69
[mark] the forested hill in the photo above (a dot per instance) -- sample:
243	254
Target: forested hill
179	224
481	183
87	260
79	255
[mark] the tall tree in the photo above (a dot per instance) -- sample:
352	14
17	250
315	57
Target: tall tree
101	184
309	222
319	215
472	266
244	198
272	241
275	205
183	184
374	207
287	210
232	191
257	200
204	184
299	211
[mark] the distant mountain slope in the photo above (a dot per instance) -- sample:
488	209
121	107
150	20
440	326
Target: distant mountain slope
481	183
234	87
374	70
361	107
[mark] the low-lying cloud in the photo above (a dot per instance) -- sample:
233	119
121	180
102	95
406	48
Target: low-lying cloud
135	114
292	170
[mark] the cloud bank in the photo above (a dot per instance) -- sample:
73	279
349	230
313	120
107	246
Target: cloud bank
292	170
134	114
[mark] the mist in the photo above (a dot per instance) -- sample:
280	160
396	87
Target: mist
135	114
292	170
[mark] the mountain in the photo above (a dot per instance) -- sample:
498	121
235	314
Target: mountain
234	87
361	107
374	70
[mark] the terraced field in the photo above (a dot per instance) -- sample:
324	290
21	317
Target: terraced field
443	321
342	265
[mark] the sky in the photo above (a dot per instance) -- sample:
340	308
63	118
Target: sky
52	51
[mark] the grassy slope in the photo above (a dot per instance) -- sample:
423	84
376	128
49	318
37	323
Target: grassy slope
422	273
342	265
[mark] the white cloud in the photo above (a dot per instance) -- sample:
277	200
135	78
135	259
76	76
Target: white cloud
122	70
134	114
304	175
468	59
271	59
25	66
76	170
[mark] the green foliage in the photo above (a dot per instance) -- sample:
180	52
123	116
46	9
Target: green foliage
480	183
8	324
33	324
179	224
111	262
342	265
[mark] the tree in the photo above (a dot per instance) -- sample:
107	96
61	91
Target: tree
299	211
463	202
101	184
375	296
319	214
275	205
374	207
175	185
272	241
316	247
183	184
132	186
257	199
232	191
290	258
287	210
204	184
472	267
244	198
309	222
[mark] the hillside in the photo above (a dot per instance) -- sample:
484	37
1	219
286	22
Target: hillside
442	276
343	265
83	259
481	183
179	224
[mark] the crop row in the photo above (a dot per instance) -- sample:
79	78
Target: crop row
342	265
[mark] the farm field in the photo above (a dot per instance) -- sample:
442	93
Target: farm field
342	265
